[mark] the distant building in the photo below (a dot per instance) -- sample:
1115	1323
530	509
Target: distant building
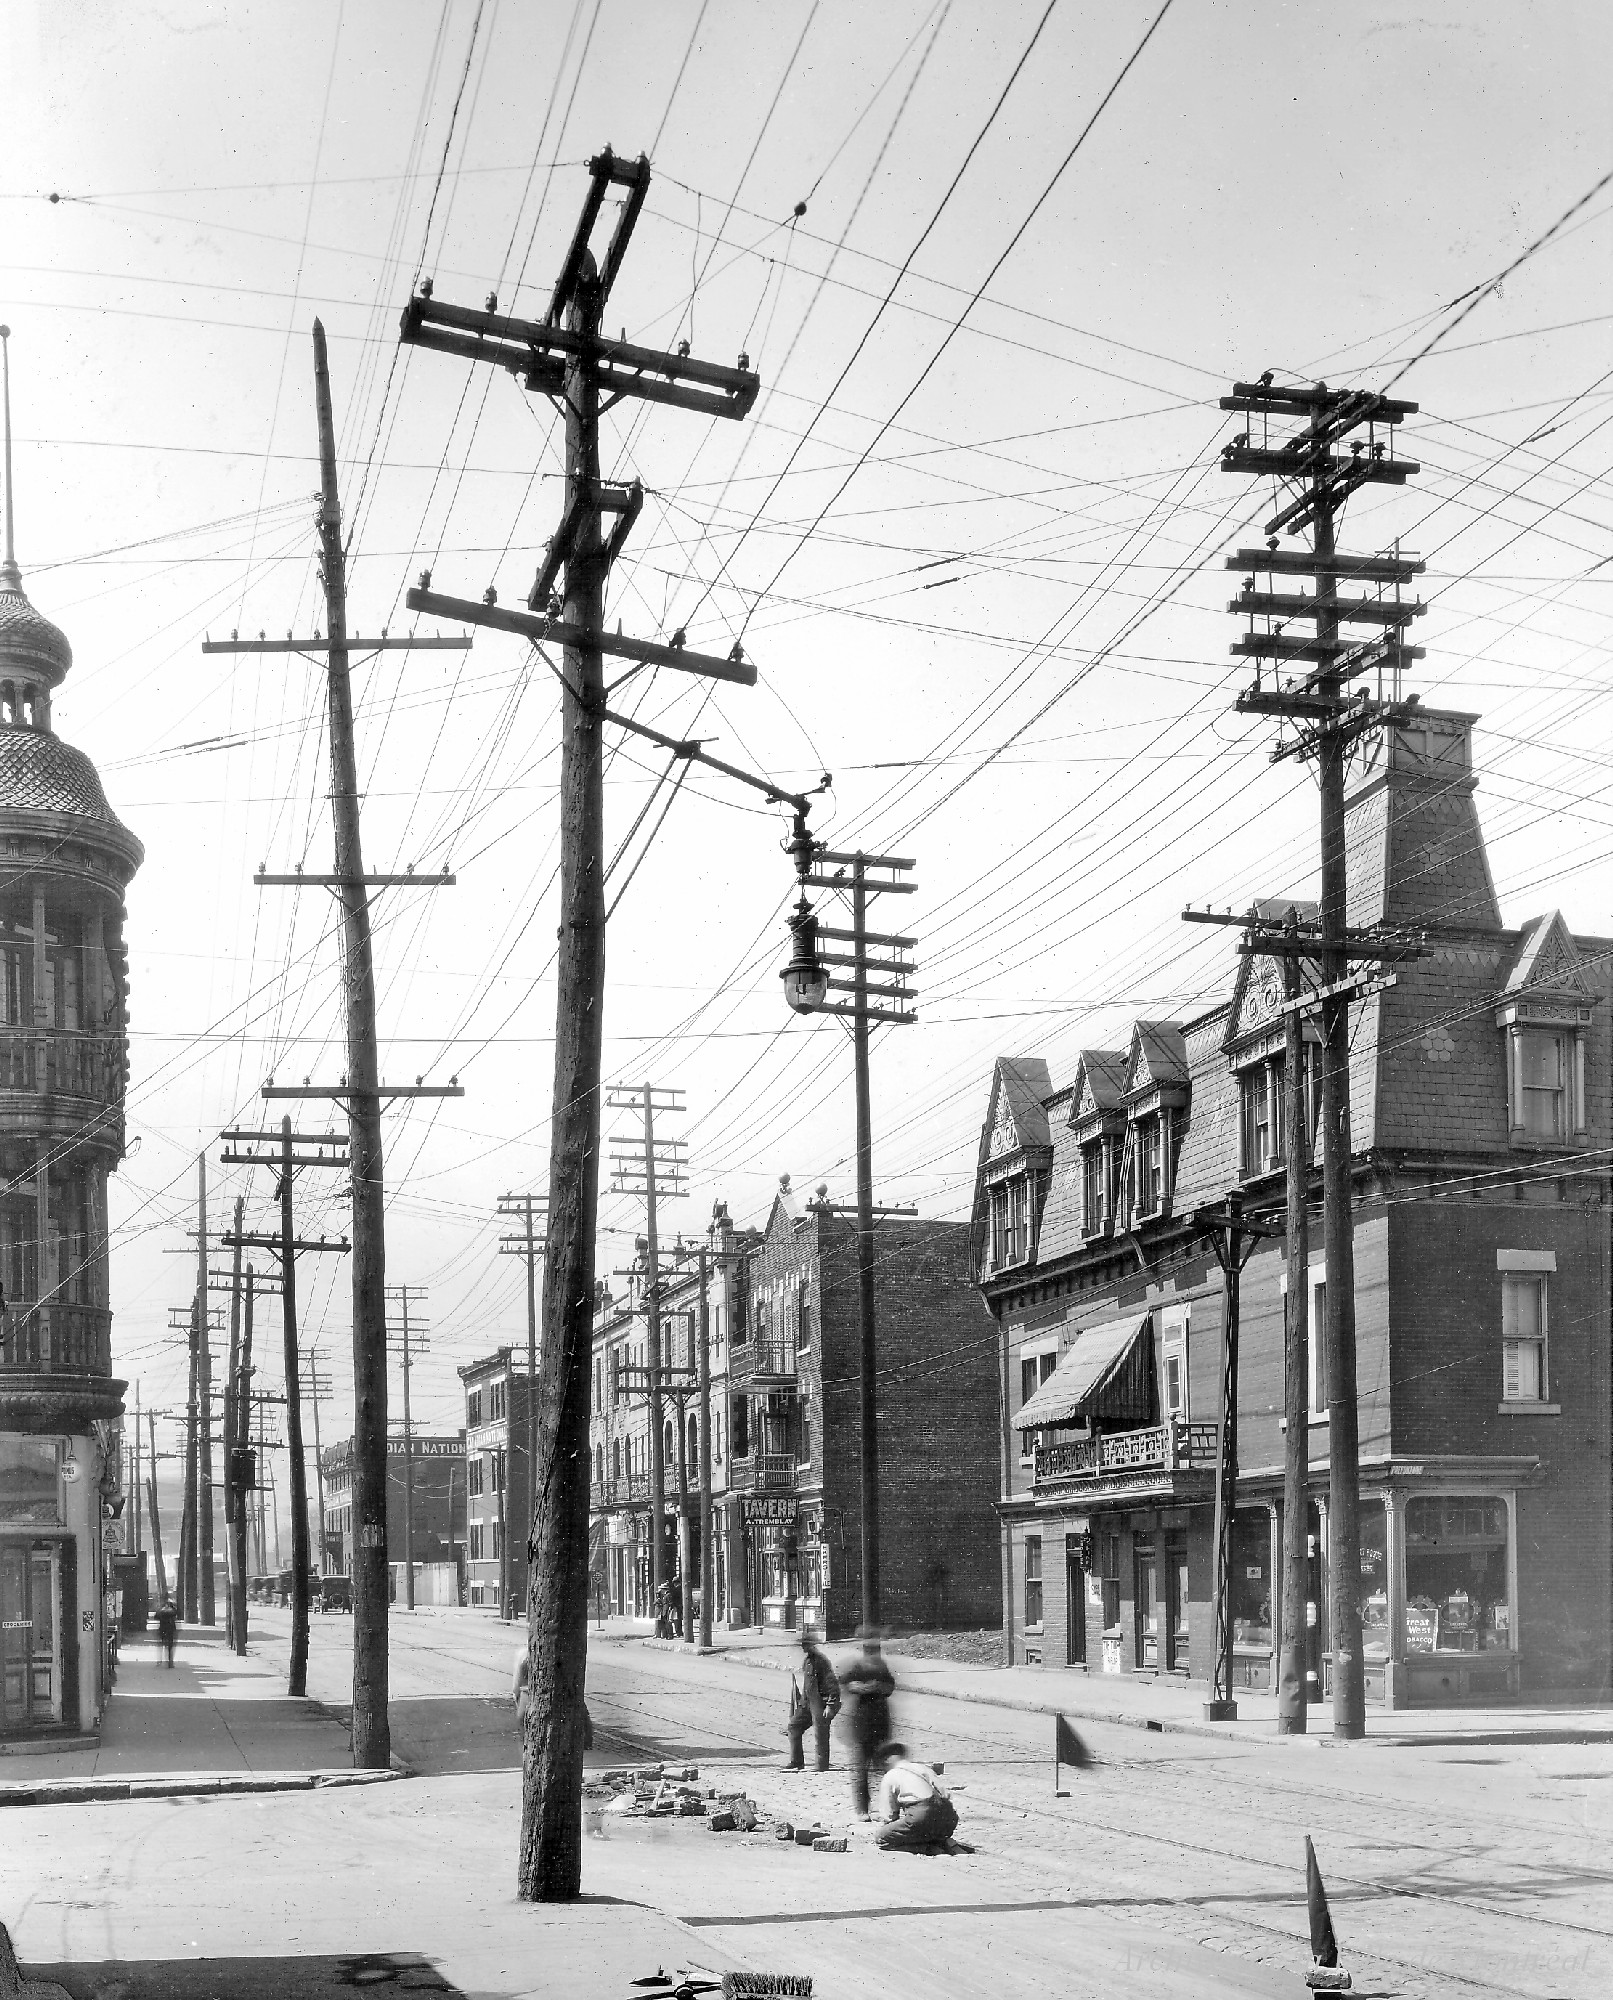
64	1057
783	1327
1481	1087
439	1501
498	1489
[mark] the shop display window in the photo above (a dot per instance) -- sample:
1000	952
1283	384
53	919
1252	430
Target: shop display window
1251	1578
1374	1581
30	1482
1456	1575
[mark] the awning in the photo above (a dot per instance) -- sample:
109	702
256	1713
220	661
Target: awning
1108	1374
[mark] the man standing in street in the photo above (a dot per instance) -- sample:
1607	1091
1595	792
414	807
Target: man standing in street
867	1686
817	1704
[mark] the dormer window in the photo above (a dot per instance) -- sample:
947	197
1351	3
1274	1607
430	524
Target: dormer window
1092	1188
1543	1072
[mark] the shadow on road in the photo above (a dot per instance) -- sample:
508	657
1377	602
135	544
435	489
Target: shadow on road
308	1978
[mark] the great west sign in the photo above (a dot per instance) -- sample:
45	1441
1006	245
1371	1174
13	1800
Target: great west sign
769	1507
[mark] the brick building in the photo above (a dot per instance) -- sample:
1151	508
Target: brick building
498	1486
1481	1092
783	1319
438	1480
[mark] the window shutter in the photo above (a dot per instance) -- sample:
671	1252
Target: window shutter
1512	1370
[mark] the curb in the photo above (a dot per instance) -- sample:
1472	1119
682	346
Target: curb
98	1791
1218	1732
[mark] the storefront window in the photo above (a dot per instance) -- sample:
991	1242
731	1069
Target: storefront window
30	1487
1456	1576
1251	1578
1374	1580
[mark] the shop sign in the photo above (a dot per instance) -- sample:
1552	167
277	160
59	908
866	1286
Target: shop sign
823	1564
768	1507
112	1537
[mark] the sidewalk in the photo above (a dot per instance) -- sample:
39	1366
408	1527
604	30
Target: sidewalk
211	1723
1137	1702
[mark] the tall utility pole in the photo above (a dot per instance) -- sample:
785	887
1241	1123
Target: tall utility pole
204	1399
317	1384
361	1091
187	1520
408	1339
708	1573
652	1169
1293	1688
156	1518
1329	719
241	1440
232	1495
881	998
318	1153
528	1244
565	356
134	1508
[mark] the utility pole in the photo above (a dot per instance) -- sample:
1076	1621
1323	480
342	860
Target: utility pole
1292	1685
860	876
204	1398
241	1440
187	1522
564	355
361	1091
652	1169
526	1208
232	1496
1329	720
136	1489
286	1244
401	1330
156	1518
318	1387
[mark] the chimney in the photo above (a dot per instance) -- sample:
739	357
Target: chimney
1414	850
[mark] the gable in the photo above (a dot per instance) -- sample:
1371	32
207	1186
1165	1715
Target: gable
1549	960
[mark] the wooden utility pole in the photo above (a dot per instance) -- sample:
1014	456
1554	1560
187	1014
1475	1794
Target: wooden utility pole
187	1524
565	355
318	1388
156	1518
136	1489
529	1246
652	1169
232	1494
871	1003
1330	719
204	1400
361	1092
708	1570
1293	1690
241	1441
297	1679
407	1334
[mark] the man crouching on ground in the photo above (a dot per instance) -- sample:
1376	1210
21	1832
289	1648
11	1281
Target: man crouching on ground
915	1813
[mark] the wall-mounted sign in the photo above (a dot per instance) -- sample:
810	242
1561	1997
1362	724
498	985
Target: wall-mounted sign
768	1507
70	1469
823	1564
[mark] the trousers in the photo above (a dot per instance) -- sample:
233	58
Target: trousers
930	1823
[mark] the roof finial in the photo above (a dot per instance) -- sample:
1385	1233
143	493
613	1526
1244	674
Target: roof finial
10	575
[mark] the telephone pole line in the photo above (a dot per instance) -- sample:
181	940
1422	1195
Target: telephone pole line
399	1331
318	1386
527	1209
361	1091
566	356
204	1398
1320	480
652	1169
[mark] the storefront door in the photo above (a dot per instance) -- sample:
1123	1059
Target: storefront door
1177	1599
1075	1604
1147	1606
30	1647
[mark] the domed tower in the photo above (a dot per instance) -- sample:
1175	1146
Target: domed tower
65	861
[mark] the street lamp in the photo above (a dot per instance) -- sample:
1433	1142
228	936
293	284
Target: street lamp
806	984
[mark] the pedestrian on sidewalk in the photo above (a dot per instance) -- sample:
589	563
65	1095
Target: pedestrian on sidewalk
167	1629
916	1813
817	1703
521	1689
866	1687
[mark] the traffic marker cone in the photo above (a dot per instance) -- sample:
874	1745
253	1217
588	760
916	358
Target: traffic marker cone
1325	1975
1068	1748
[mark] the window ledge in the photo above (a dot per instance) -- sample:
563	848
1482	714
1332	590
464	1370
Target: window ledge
1523	1409
1035	1631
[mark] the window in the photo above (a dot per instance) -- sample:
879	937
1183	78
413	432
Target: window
739	1427
1173	1362
694	1440
716	1437
803	1317
741	1331
616	1459
1251	1579
1542	1079
1109	1560
476	1541
473	1409
716	1330
805	1456
1523	1336
1092	1215
497	1462
1033	1581
1034	1370
1145	1166
498	1540
1259	1093
1456	1575
496	1401
1318	1349
473	1483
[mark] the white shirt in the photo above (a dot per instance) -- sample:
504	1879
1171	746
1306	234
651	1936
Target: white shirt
907	1785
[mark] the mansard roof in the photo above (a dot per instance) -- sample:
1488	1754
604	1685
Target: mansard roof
1017	1118
1156	1056
1100	1083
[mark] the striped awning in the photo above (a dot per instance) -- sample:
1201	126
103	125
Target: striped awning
1107	1374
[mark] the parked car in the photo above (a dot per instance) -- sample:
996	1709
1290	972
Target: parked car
335	1593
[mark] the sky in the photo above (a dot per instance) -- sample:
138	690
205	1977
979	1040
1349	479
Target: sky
994	264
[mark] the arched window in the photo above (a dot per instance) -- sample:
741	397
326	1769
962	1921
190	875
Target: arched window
694	1439
668	1444
616	1459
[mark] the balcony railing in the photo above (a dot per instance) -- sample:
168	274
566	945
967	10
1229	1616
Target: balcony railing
1171	1447
56	1339
765	1472
62	1061
772	1361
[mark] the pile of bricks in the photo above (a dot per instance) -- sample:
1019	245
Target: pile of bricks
650	1791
